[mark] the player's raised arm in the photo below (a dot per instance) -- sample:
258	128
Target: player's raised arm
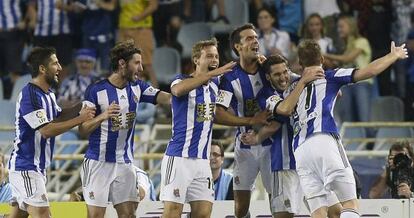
380	64
89	126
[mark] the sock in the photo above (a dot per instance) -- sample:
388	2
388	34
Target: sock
349	213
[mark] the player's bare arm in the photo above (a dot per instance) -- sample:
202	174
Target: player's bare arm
380	64
186	85
89	126
164	98
253	138
286	106
56	128
69	113
224	117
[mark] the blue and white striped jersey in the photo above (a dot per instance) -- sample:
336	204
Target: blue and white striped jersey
10	14
239	90
281	149
192	118
34	109
314	111
113	140
50	20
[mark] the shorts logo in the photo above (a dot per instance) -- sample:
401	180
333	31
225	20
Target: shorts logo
177	193
237	180
43	196
91	196
287	203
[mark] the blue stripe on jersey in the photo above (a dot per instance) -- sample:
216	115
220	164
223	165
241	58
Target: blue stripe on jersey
3	15
311	109
40	16
247	93
51	17
14	13
329	102
195	138
61	21
131	132
112	135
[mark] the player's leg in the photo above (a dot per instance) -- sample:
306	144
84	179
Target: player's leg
175	178
123	192
200	192
96	178
287	195
265	168
246	168
334	211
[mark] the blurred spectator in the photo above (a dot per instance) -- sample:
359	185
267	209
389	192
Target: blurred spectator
73	88
168	19
223	181
5	188
12	28
322	7
145	111
290	17
135	22
409	98
146	187
51	27
314	29
396	178
98	29
271	40
354	105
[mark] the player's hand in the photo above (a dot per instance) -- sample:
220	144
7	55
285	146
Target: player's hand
112	111
261	59
87	113
399	52
312	73
222	70
249	138
261	118
404	190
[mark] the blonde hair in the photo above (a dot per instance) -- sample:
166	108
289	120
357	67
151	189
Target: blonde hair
305	30
196	50
354	32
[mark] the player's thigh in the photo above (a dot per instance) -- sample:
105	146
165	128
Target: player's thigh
201	187
201	208
124	187
95	211
38	212
287	194
176	176
16	212
172	209
246	168
126	209
265	168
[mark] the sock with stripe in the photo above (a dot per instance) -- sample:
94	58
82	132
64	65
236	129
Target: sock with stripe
349	213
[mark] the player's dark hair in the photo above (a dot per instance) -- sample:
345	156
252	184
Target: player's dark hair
309	53
220	145
39	56
235	35
123	50
400	145
272	60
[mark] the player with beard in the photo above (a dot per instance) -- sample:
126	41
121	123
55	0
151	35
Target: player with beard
38	120
185	170
108	174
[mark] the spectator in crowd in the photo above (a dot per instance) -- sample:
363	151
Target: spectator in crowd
145	111
314	29
73	88
392	179
11	42
5	188
135	22
98	29
354	105
409	98
168	18
223	181
145	186
290	16
271	40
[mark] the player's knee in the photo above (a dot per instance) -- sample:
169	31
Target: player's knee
172	211
350	204
40	212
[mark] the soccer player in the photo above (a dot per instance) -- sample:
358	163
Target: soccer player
321	162
38	120
107	174
185	170
286	196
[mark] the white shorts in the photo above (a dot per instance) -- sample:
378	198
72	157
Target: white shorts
322	164
248	163
287	195
104	182
186	180
28	187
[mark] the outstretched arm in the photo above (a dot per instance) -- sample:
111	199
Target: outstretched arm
379	65
224	117
252	138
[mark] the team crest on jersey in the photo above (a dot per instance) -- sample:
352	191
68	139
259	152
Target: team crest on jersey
287	203
177	193
91	196
251	107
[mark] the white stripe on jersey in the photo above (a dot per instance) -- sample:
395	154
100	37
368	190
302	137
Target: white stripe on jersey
285	147
8	11
47	148
206	125
16	138
102	97
190	121
120	141
240	106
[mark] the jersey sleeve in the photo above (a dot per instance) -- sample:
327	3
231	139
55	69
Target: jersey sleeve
90	97
32	110
225	93
149	93
342	76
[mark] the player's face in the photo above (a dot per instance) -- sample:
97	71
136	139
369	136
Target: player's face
279	76
265	20
52	71
343	28
209	58
315	26
216	160
85	67
248	47
134	68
